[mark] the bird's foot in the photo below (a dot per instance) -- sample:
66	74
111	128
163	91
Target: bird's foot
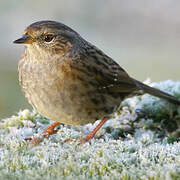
46	133
50	130
93	132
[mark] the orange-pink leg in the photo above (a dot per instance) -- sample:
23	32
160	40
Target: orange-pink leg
46	133
93	132
50	129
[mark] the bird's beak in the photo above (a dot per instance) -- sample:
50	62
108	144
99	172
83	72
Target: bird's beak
24	40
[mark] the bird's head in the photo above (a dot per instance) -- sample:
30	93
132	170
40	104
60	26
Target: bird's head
49	36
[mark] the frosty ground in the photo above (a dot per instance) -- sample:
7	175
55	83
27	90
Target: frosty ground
140	142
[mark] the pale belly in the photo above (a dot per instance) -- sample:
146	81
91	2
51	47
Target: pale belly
61	97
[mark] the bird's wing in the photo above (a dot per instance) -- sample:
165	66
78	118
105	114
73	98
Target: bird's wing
108	74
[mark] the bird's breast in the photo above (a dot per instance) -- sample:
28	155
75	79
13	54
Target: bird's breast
61	93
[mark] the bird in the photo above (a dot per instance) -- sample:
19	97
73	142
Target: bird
71	81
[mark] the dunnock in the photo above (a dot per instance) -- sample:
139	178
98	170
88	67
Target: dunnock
70	81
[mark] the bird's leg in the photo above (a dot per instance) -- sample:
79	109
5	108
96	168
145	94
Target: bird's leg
93	132
46	133
50	129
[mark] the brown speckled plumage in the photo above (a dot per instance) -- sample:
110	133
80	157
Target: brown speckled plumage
67	79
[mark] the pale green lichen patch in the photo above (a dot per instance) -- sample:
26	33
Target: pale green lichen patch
136	144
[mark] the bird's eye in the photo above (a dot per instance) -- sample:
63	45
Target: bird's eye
48	38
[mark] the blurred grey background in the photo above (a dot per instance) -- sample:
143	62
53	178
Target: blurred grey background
143	36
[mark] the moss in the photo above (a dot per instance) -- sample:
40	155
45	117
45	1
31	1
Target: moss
132	145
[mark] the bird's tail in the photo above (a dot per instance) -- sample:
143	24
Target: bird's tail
157	92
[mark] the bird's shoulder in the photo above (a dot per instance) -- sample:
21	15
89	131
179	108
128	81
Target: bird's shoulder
101	69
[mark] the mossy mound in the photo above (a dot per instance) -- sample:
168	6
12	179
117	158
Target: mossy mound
140	142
